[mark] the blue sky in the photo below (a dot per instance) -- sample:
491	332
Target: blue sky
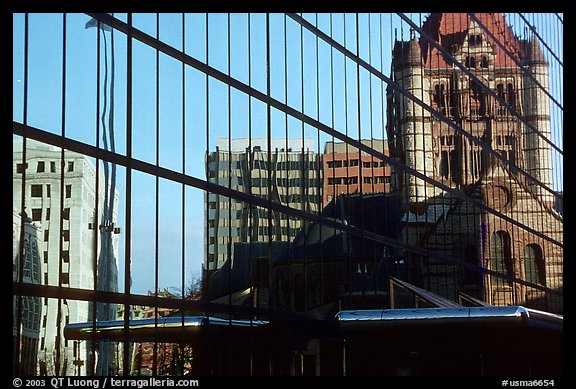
45	100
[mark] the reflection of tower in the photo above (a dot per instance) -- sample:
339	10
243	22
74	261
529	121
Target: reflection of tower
26	269
508	89
65	244
537	111
107	269
415	138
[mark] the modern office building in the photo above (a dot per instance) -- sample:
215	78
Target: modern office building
282	170
347	170
64	212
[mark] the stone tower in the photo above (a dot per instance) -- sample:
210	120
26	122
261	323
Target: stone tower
536	109
414	138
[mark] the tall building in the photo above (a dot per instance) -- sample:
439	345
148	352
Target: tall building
287	173
65	215
26	338
438	220
347	170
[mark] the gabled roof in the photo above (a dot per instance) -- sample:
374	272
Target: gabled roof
450	30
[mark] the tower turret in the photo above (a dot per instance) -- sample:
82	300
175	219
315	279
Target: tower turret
536	107
414	121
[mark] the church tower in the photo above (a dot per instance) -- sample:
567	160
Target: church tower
413	138
536	109
484	86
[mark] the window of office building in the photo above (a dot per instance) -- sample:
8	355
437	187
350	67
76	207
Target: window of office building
36	190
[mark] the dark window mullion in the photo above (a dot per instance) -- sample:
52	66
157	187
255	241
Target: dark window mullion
156	209
128	227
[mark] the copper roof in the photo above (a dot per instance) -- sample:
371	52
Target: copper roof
450	30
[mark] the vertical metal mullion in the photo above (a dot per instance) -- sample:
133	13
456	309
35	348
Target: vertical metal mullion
206	289
346	199
471	126
92	366
349	253
156	207
359	112
559	119
181	344
510	132
269	173
373	189
62	194
16	367
286	156
402	132
558	116
471	168
230	202
127	247
511	266
319	167
395	183
383	97
304	171
250	164
251	208
206	274
269	142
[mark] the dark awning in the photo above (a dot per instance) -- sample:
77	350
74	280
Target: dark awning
171	328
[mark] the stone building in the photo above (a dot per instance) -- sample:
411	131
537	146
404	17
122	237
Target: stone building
64	214
437	218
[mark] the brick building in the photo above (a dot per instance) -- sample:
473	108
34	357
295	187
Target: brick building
348	171
446	224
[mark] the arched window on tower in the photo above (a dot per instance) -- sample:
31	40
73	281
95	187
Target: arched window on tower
440	98
511	95
475	40
454	165
484	62
477	99
453	97
501	258
501	100
444	164
534	264
470	62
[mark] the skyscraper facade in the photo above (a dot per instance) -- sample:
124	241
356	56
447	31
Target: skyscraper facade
285	171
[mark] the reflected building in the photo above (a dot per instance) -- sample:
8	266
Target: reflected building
64	211
347	170
27	270
559	202
142	353
321	267
444	224
285	171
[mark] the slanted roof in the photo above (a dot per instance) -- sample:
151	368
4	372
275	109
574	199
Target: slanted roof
451	29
